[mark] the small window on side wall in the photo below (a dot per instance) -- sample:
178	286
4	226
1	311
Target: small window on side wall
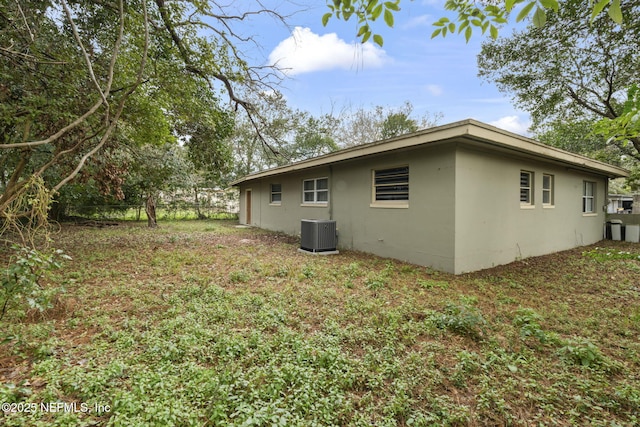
548	190
588	197
391	187
276	194
526	188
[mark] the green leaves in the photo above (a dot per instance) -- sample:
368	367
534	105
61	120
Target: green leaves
525	11
615	12
598	8
388	18
509	4
539	18
366	12
487	18
325	18
626	127
490	17
21	282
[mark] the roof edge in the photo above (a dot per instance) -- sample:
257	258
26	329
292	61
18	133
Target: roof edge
468	128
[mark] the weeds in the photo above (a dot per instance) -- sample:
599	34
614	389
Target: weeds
430	284
582	352
167	331
464	319
528	322
607	254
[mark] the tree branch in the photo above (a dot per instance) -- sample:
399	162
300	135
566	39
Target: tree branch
584	103
114	120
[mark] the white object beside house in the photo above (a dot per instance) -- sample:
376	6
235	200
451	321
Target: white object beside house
457	198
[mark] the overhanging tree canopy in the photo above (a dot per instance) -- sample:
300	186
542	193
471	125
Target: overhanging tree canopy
77	76
570	69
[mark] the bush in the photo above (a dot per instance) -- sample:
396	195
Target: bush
463	319
21	281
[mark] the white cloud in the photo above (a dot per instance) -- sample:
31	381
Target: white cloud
418	21
435	90
513	124
306	52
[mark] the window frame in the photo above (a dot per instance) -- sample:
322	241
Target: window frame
589	197
396	203
315	191
550	192
272	193
530	203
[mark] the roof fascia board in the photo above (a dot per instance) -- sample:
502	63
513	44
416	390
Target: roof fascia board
468	129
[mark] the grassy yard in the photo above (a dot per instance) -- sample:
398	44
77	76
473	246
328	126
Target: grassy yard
205	324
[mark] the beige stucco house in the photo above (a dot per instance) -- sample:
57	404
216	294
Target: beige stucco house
457	198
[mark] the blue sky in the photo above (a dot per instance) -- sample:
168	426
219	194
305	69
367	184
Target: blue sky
328	70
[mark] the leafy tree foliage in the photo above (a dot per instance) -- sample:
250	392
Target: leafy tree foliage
287	136
366	12
484	15
397	124
577	136
624	129
368	125
614	16
79	78
571	70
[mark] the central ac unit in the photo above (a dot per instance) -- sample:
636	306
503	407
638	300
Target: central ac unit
318	235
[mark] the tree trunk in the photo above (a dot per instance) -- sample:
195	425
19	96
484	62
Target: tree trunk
197	200
150	209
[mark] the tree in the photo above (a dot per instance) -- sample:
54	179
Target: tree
489	15
397	124
258	150
369	125
571	70
577	136
313	137
79	76
288	136
624	129
155	170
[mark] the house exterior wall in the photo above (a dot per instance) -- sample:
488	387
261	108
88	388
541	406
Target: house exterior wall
464	211
421	233
492	227
286	215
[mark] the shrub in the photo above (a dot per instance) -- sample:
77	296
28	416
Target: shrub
463	319
21	282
